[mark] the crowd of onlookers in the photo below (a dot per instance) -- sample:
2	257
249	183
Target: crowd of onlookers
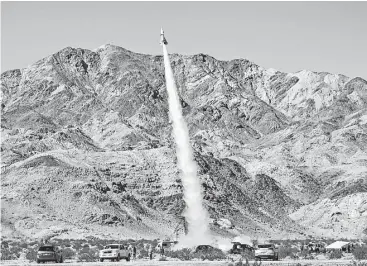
158	249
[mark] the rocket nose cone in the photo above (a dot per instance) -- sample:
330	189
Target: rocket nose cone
162	31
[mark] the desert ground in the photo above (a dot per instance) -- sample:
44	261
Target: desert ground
189	263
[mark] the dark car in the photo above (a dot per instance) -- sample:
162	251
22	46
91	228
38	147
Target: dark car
239	248
204	248
207	252
49	253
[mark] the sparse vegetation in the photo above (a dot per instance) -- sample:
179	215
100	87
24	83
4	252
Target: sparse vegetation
355	263
69	253
248	254
143	253
215	254
7	255
31	254
181	254
188	254
288	252
10	250
306	255
360	253
336	254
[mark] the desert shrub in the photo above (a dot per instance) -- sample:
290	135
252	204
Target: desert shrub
85	250
286	243
336	254
188	254
214	254
6	254
100	243
181	254
15	250
287	252
77	244
86	257
143	254
4	244
87	254
66	243
33	243
31	254
360	253
92	239
68	253
23	245
305	254
58	242
248	255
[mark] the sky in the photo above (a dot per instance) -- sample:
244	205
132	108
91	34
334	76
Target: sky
287	36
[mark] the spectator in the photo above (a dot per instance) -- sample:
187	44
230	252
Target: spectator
162	250
150	252
134	252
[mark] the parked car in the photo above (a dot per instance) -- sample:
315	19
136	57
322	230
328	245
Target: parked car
114	252
49	253
239	248
266	251
207	251
204	248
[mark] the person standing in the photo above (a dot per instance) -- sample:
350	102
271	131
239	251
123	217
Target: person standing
150	252
134	253
130	249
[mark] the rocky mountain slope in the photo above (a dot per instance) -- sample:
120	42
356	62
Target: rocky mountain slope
87	149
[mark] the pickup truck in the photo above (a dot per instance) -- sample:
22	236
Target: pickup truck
114	252
266	251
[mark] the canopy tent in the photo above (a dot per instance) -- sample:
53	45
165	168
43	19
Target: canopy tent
337	245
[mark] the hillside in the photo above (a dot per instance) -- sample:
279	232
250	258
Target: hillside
87	149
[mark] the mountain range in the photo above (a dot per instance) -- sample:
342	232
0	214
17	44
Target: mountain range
87	148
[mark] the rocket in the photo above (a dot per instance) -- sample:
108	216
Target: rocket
163	39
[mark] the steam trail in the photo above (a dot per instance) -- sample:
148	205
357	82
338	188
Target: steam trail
195	214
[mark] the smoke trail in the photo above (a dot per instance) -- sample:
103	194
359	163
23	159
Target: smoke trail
196	216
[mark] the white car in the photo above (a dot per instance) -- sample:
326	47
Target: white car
266	251
114	252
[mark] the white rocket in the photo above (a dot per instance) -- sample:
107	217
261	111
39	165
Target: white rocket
163	39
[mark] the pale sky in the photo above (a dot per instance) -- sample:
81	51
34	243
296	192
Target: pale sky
288	36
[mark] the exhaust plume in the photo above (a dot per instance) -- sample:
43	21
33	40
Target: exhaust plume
195	214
